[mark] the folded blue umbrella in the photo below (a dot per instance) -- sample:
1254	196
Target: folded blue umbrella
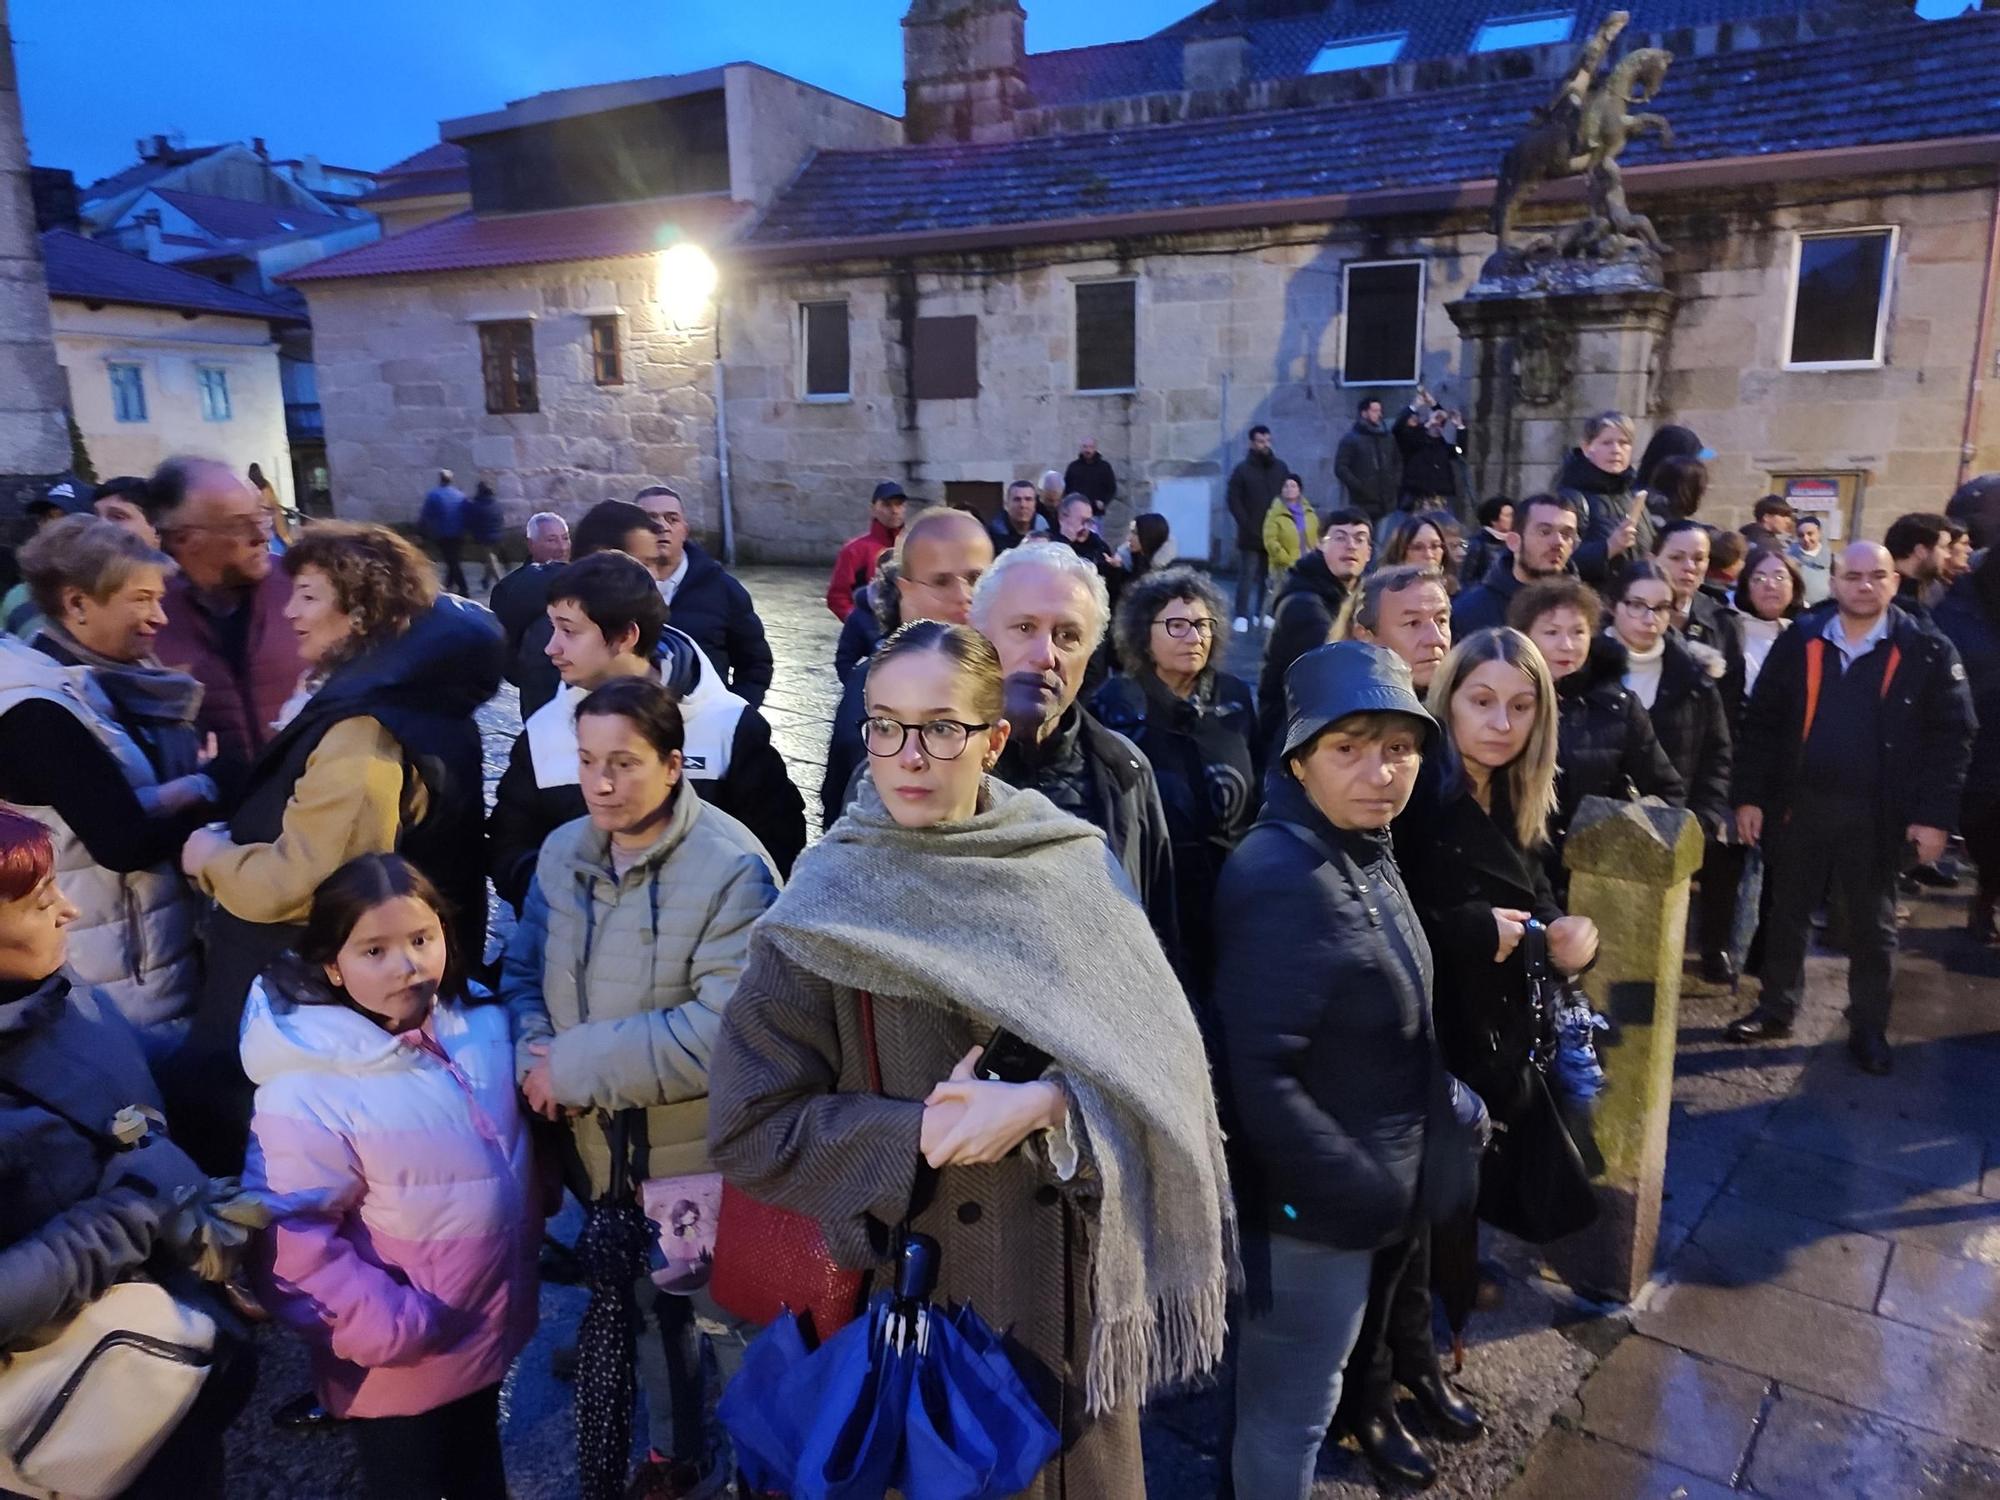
905	1398
768	1435
973	1432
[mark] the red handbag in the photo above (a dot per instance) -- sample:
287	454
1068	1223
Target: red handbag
770	1259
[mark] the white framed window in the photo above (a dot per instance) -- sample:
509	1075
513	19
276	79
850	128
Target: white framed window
825	364
128	393
1382	322
1837	310
1533	30
1358	52
1107	336
214	385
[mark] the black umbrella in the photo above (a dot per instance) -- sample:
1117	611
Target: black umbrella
612	1251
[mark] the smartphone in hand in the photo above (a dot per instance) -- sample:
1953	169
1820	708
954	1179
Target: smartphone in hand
1007	1059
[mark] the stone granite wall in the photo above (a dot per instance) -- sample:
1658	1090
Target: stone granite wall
402	392
1233	329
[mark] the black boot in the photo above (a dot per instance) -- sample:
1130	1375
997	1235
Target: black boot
1760	1025
1446	1410
1395	1456
1870	1050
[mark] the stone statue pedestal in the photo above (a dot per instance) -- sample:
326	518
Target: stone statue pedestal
1547	341
1629	864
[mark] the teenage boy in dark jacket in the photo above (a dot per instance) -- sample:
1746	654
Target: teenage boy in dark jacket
607	621
1853	747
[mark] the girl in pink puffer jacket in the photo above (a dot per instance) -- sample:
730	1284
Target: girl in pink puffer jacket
388	1137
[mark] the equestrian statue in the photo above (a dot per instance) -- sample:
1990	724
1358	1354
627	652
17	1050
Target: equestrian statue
1581	132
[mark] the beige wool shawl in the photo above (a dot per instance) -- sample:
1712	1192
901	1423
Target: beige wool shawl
1019	915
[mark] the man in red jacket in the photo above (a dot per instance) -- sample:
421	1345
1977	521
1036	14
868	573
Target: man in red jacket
856	563
226	623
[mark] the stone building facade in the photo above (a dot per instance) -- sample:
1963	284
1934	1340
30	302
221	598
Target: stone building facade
1240	235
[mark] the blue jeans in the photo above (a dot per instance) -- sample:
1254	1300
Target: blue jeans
1251	570
1288	1362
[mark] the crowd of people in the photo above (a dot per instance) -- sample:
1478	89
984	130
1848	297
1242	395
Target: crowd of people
255	1051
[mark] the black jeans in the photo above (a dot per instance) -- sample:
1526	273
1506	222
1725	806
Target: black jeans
1982	842
1721	875
1831	847
1396	1341
452	549
451	1452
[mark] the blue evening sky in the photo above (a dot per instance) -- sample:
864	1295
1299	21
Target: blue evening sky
362	83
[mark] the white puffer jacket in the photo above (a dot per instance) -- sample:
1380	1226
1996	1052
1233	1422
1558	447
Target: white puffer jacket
135	935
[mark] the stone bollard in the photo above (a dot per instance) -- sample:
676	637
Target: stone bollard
1629	866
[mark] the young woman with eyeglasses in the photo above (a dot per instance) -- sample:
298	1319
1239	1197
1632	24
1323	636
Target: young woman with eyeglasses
1085	1210
1605	744
1196	724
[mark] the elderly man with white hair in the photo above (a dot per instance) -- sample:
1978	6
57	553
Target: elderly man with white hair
519	598
1046	610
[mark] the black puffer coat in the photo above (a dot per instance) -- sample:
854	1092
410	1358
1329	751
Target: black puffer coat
1605	747
1693	728
1604	500
1323	984
1711	622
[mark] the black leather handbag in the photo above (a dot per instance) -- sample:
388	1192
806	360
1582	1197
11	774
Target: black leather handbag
1533	1182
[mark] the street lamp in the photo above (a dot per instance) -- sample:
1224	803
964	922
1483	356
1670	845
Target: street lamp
687	280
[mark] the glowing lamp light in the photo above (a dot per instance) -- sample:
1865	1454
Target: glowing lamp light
687	280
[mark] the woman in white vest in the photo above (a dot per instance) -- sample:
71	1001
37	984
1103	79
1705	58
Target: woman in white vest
97	740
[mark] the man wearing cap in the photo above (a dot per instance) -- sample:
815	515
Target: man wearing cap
68	496
1322	1005
856	563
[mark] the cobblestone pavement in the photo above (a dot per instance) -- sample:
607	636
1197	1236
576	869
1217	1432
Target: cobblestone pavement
1828	1323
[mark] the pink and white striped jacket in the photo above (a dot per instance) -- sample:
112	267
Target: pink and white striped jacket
408	1222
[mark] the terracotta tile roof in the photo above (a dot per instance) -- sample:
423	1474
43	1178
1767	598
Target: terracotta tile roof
441	168
86	271
1905	84
468	242
236	219
1286	35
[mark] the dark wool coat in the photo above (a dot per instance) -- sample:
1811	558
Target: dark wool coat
1369	466
792	1122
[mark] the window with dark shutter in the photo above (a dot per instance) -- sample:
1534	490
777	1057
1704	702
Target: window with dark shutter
1840	300
1107	318
823	338
507	358
944	360
607	360
1384	303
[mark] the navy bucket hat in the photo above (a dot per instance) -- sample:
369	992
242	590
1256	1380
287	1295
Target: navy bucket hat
1331	683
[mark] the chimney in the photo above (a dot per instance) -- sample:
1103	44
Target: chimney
257	145
964	69
1214	62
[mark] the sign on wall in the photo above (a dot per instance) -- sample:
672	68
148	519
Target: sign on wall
1834	497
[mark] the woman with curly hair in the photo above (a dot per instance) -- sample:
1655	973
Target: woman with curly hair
1197	725
376	753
